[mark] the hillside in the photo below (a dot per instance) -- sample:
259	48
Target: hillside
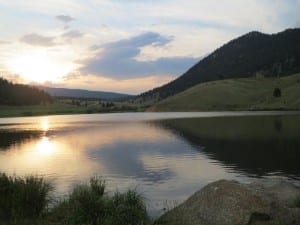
253	54
236	94
19	94
79	93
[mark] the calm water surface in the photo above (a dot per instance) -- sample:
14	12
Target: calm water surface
166	156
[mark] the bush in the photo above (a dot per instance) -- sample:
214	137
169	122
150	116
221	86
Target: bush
277	92
22	198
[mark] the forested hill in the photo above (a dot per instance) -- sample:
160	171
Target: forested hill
19	94
249	55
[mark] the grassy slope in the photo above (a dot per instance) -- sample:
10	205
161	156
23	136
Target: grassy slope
236	94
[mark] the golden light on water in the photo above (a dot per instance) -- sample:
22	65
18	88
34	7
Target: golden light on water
68	154
45	146
44	124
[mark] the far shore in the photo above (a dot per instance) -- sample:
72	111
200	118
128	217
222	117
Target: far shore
57	109
60	109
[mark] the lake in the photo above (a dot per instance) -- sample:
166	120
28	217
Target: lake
165	156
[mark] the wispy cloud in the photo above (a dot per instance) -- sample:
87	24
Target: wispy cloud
131	86
38	40
119	59
72	34
4	42
65	18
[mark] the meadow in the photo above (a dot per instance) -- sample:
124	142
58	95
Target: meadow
63	106
257	93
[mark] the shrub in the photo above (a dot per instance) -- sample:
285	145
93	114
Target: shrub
277	92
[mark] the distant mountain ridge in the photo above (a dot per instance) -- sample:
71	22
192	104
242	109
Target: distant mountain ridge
253	54
80	93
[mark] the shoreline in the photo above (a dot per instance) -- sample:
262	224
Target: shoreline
226	202
32	111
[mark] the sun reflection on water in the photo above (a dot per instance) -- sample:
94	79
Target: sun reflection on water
45	146
44	124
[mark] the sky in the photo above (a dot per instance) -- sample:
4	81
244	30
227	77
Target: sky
126	46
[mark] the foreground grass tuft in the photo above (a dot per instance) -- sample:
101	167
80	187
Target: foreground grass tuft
128	208
23	198
25	201
88	204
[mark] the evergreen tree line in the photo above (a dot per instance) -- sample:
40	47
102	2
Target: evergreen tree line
19	94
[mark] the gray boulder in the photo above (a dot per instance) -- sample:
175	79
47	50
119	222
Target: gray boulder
231	203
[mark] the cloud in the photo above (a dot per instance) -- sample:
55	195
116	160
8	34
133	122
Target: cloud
119	59
94	47
38	40
130	86
72	34
65	18
4	42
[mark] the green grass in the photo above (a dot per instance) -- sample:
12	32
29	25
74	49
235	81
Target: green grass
35	110
64	106
25	201
236	94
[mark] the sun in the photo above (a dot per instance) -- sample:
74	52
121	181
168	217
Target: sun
38	68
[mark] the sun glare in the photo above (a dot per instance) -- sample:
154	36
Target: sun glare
45	146
38	68
44	124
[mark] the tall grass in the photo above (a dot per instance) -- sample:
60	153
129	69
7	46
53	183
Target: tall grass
89	204
297	202
22	198
24	201
128	209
